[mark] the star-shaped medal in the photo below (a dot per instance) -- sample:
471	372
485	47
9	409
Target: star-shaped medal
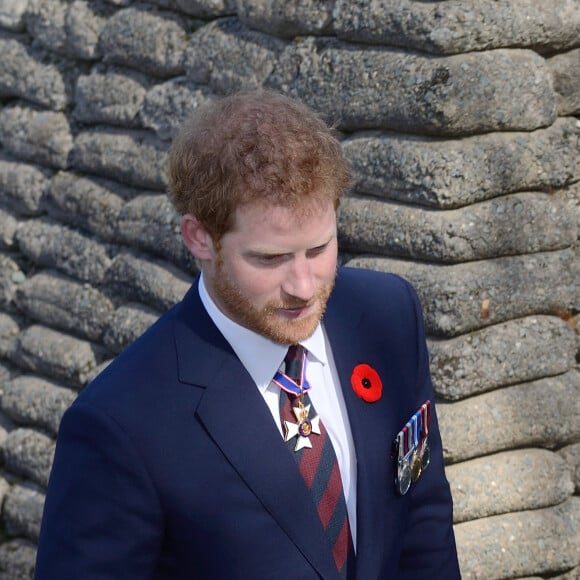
303	428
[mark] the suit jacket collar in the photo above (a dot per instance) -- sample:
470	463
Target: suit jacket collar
349	349
236	417
238	420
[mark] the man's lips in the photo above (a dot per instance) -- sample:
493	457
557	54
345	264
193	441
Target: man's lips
296	311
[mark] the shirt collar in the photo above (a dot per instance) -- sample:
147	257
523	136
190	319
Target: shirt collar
260	356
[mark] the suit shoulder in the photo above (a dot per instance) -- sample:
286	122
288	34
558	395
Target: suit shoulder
369	283
145	361
389	298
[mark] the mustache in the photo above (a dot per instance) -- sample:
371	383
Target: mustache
290	304
293	302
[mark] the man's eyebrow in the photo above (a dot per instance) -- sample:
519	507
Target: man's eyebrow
325	243
266	253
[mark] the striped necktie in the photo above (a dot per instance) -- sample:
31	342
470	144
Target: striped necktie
312	449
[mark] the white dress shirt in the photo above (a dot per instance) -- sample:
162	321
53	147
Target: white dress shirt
262	358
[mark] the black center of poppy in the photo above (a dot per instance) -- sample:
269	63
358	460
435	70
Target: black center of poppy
366	383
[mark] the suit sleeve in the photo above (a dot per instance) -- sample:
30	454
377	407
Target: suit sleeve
429	549
102	518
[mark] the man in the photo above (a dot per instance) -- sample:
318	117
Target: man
250	432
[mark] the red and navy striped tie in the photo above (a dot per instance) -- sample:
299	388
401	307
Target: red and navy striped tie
317	464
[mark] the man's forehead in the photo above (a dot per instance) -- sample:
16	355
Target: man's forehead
259	210
278	229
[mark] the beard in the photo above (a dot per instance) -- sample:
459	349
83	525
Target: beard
268	320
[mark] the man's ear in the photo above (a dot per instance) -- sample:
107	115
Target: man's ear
196	238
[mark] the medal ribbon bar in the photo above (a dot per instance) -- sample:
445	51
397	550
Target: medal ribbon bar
425	420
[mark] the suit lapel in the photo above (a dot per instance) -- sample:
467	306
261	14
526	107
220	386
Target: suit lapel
370	424
239	422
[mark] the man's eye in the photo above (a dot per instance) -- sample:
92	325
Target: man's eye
270	260
316	251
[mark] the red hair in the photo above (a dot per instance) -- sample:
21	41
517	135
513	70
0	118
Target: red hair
254	147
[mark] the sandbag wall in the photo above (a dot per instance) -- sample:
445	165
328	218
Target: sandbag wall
461	120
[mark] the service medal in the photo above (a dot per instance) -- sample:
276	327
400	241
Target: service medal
410	450
403	471
416	467
303	428
403	481
425	456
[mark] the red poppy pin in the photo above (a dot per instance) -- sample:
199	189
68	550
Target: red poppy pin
366	383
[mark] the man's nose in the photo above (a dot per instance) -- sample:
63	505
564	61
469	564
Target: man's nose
299	281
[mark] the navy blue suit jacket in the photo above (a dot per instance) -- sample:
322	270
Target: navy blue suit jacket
169	466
